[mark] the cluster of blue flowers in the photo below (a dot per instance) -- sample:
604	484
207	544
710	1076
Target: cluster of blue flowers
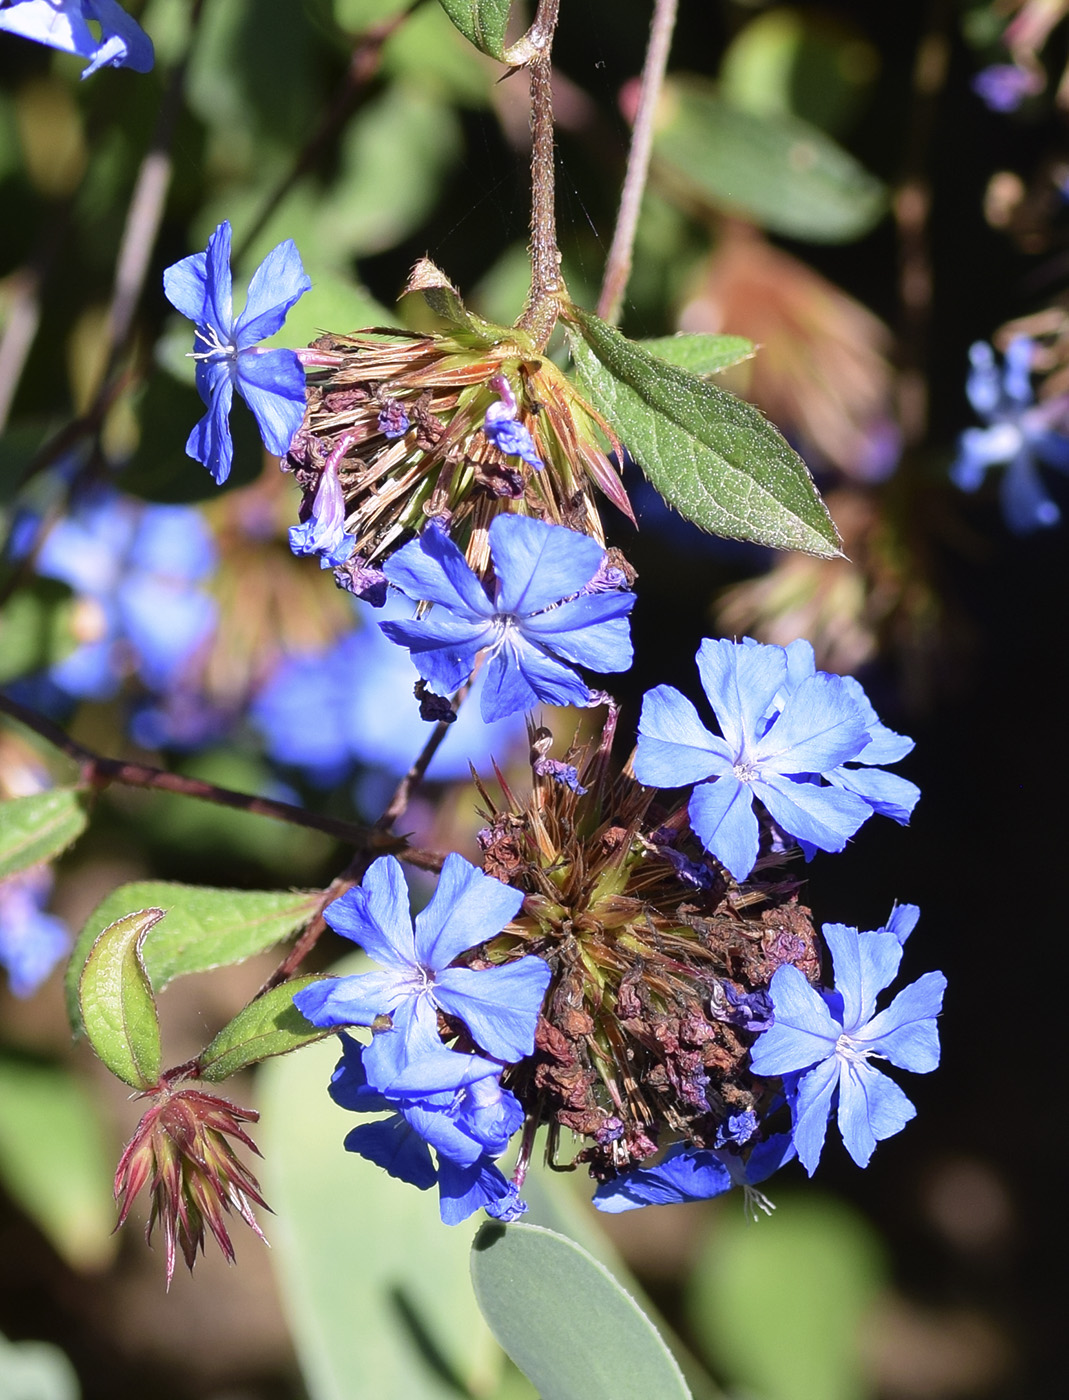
32	941
1019	434
448	1099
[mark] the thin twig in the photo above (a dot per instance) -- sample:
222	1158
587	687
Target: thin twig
97	772
540	314
618	263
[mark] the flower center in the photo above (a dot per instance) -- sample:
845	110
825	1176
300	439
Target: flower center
215	348
746	770
848	1050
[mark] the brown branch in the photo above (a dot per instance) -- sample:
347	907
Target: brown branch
98	772
540	314
618	263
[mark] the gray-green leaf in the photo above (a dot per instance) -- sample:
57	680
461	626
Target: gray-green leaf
774	168
565	1321
699	352
482	22
117	1007
205	928
36	828
712	456
270	1025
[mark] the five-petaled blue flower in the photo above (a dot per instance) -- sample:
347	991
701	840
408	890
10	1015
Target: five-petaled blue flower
227	349
697	1174
824	1042
1019	431
64	25
782	735
498	1005
535	628
467	1128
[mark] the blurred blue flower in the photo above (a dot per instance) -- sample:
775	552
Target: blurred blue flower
467	1128
31	941
1019	431
353	704
1004	86
499	1005
697	1174
64	25
537	626
778	739
227	350
135	569
822	1041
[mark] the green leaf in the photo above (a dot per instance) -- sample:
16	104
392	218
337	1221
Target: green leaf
39	827
772	168
482	22
36	1371
716	459
116	1001
701	353
205	928
54	1161
565	1321
377	1287
271	1025
779	1307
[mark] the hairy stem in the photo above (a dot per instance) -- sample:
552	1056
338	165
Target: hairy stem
97	772
540	314
621	252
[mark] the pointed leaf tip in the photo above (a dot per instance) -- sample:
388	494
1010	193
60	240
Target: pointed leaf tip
117	1005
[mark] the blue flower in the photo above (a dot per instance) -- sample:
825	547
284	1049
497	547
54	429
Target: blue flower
1019	431
31	941
509	435
136	571
323	531
498	1005
779	738
64	25
467	1128
697	1174
823	1042
227	350
1004	86
534	629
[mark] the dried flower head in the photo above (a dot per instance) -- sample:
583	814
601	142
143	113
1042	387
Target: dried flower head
181	1151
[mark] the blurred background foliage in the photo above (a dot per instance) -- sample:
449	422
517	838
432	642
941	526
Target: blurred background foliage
826	183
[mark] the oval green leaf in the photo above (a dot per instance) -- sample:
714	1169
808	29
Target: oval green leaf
205	928
772	168
117	1007
699	352
482	22
270	1025
38	827
565	1321
712	456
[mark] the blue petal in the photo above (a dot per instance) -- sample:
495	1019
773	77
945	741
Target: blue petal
884	746
767	1157
124	44
392	1143
276	284
467	908
825	816
590	631
430	1073
350	1001
819	727
886	793
1016	371
185	284
983	385
686	1174
348	1084
1025	502
741	683
903	920
674	747
804	1031
721	813
432	569
905	1032
376	914
864	964
219	284
443	646
871	1108
499	1005
272	383
210	442
539	564
810	1107
520	673
464	1190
